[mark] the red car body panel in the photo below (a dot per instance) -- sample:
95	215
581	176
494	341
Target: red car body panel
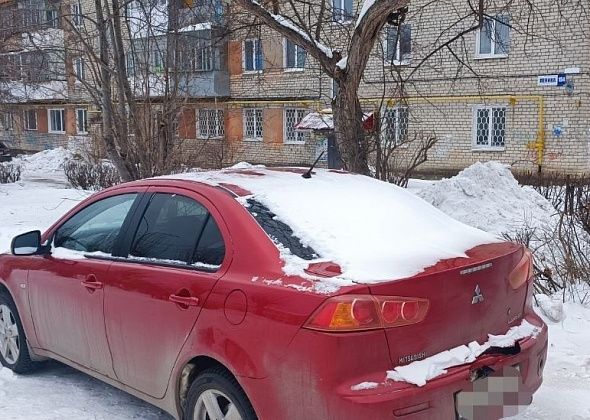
250	319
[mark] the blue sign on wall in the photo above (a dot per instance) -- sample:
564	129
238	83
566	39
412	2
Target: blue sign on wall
553	80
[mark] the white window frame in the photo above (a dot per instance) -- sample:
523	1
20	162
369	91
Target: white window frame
285	57
489	148
341	5
257	42
398	61
85	113
26	120
299	135
493	41
398	141
50	121
79	69
203	58
256	124
76	11
7	117
219	124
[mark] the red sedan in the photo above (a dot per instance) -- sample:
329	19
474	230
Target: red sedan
255	293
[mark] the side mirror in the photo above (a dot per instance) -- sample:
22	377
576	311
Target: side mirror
27	244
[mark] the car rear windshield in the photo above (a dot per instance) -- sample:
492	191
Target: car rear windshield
278	231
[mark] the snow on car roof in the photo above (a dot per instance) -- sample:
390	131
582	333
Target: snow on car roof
374	230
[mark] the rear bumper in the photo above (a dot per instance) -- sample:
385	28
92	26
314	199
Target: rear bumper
436	400
318	391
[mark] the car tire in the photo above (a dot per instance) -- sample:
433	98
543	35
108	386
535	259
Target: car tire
14	349
215	393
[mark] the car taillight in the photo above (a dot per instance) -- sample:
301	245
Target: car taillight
365	312
522	272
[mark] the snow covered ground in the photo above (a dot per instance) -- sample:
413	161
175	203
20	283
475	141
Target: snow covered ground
59	392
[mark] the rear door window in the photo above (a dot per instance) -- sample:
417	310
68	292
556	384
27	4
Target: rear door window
175	229
96	227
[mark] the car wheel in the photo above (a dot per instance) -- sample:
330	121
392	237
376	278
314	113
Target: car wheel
216	395
14	351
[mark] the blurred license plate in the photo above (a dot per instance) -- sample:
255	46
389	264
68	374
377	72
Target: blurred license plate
496	396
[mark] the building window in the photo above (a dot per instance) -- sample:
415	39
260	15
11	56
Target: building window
342	11
493	39
398	45
79	68
490	127
253	124
52	18
156	58
394	126
294	55
76	9
210	123
130	59
7	121
203	58
292	118
30	119
57	121
82	121
252	55
334	88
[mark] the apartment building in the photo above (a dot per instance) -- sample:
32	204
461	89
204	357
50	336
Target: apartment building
42	102
515	91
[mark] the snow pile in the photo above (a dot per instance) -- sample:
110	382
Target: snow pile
421	371
374	230
551	307
486	196
364	385
45	163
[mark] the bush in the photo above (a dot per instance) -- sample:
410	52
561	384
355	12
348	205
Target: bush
9	173
89	176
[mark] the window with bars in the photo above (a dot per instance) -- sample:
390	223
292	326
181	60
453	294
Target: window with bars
342	11
493	39
292	118
253	124
398	45
82	120
294	55
252	55
210	123
490	127
30	119
394	126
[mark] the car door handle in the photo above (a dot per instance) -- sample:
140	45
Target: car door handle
184	300
92	284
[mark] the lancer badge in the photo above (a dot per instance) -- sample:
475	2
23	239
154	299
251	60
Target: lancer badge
477	296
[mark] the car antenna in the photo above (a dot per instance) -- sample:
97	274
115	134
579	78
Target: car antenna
307	174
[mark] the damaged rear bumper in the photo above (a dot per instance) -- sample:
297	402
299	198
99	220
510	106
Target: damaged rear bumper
438	398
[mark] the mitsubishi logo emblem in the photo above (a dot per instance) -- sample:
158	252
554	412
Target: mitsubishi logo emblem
477	296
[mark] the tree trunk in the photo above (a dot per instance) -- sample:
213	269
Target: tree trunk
348	124
106	101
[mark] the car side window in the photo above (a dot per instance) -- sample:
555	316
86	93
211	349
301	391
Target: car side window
178	230
96	227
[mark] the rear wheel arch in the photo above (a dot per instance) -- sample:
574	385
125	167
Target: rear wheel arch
191	371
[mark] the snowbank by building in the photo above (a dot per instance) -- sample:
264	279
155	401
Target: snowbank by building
486	196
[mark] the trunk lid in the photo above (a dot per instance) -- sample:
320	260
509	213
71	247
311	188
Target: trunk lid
469	299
